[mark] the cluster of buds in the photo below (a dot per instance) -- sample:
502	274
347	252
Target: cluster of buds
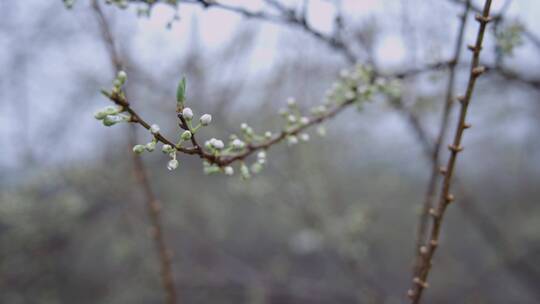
354	86
112	115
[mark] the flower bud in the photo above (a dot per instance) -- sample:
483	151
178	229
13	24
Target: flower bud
172	164
291	102
304	137
291	118
292	140
304	120
244	172
187	113
154	129
228	170
217	144
206	119
167	149
138	149
122	77
151	146
261	155
268	134
238	144
111	120
186	135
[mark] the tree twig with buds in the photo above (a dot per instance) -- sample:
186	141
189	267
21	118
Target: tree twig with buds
435	152
152	203
427	251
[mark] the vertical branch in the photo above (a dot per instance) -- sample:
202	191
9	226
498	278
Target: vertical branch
435	153
427	251
152	204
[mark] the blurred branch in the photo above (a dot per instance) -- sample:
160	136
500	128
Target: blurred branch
152	204
427	251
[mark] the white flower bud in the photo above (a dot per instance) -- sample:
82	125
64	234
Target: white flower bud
291	102
238	144
228	170
138	149
151	146
172	164
304	137
268	134
217	144
292	140
167	149
261	155
122	77
244	126
154	129
206	119
304	120
244	171
186	135
291	118
187	113
350	95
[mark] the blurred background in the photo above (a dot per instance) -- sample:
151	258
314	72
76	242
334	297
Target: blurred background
328	221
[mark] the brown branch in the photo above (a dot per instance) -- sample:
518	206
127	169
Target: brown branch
152	203
224	160
427	251
435	153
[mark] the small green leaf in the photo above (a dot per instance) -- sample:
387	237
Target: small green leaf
181	92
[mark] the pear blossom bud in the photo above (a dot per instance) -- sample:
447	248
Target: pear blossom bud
291	118
206	119
154	129
268	134
238	144
228	170
111	120
291	102
304	137
187	113
217	144
244	172
244	126
186	135
167	149
172	164
304	120
138	149
151	146
350	95
261	155
122	77
292	140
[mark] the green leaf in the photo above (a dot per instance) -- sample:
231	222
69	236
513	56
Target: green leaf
181	92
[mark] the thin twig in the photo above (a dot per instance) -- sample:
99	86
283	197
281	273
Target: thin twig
427	251
152	203
449	100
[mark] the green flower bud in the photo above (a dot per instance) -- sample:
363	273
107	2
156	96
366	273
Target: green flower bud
151	146
122	77
172	164
186	135
167	149
138	149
